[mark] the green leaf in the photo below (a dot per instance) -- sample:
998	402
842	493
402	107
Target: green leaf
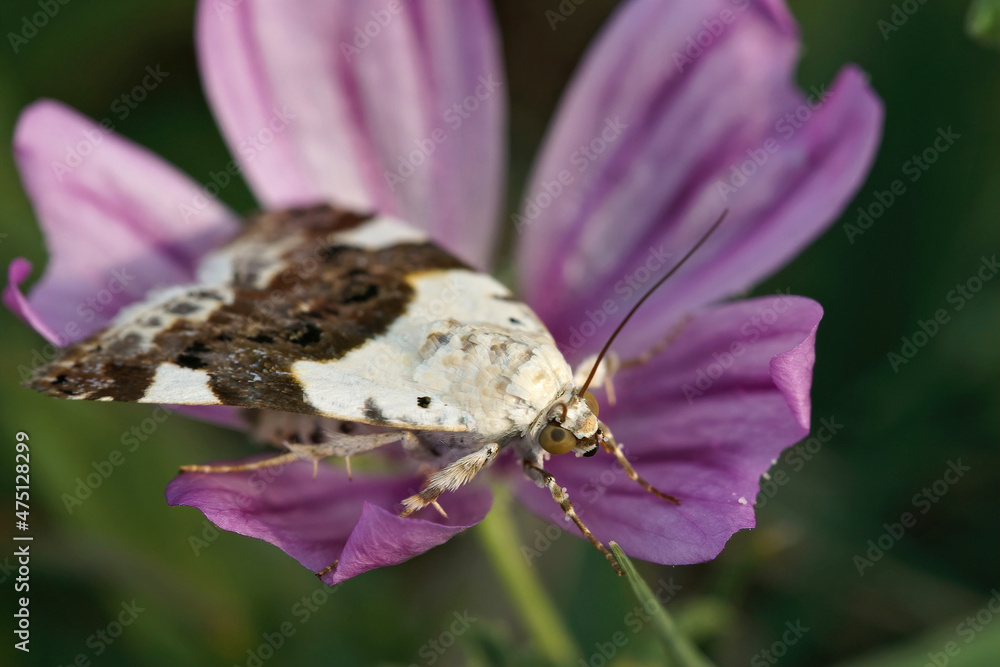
679	649
983	21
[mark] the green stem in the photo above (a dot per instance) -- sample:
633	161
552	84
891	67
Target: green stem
680	651
499	538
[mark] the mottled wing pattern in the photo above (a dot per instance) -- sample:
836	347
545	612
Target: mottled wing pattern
294	293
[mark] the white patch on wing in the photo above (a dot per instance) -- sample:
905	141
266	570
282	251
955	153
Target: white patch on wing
162	308
380	232
248	257
459	359
175	384
217	268
248	261
263	261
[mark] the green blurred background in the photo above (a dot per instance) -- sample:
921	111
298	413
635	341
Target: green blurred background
899	432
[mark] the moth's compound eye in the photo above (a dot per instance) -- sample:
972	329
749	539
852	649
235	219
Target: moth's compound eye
591	402
556	440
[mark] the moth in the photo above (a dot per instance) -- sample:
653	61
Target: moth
319	319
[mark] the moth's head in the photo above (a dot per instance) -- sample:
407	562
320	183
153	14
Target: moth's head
570	425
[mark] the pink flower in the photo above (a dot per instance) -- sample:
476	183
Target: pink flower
680	109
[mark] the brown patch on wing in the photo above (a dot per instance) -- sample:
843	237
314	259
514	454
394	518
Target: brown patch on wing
327	300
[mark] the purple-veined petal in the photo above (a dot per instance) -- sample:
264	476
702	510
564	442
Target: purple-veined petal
14	299
672	97
324	101
320	520
117	220
702	421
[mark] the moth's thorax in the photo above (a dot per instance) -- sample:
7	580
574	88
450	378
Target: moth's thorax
504	380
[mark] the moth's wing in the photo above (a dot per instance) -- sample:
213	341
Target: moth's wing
465	356
295	287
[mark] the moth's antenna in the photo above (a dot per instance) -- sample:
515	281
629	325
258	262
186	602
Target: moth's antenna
607	346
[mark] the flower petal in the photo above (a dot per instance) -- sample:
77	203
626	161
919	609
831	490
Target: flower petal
328	518
114	219
220	415
323	101
14	299
702	421
670	104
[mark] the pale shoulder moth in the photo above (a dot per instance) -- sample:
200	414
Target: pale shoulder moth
318	317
